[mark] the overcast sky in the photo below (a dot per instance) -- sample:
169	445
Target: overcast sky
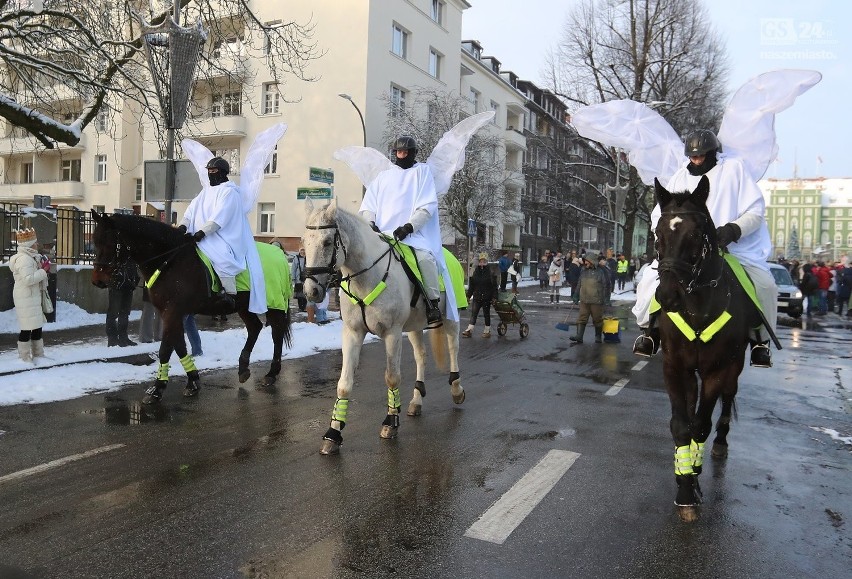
761	35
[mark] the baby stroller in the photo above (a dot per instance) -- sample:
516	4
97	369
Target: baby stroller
510	312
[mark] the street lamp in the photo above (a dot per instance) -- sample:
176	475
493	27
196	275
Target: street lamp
360	116
172	52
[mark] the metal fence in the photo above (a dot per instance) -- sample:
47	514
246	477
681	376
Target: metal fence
65	233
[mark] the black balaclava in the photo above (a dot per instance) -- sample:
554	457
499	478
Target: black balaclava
708	163
217	171
408	161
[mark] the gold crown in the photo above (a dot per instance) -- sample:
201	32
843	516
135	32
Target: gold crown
483	256
25	235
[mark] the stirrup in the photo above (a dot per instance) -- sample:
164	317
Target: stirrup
761	355
645	346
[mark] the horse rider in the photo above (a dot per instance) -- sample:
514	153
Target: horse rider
737	204
215	220
403	199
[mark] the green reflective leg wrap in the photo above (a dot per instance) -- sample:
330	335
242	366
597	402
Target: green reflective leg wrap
697	450
341	408
394	401
163	372
188	363
683	460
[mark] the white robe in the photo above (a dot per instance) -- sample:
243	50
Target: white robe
393	197
231	249
732	193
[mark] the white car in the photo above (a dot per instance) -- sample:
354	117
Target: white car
789	295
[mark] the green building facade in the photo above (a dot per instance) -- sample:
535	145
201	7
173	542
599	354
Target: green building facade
809	219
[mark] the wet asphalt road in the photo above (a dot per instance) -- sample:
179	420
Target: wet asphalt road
231	484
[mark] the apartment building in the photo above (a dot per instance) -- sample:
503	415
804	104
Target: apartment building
809	218
370	49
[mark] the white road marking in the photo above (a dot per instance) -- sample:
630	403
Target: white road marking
57	463
616	388
639	365
498	522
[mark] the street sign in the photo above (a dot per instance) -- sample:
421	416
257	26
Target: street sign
313	193
471	228
187	185
321	175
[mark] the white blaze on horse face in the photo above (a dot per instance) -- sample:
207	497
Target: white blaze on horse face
674	222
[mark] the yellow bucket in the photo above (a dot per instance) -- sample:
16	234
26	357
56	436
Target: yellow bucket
610	325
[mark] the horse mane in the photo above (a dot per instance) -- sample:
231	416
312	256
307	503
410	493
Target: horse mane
147	228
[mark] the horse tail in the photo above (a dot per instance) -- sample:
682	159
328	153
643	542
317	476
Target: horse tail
440	350
288	329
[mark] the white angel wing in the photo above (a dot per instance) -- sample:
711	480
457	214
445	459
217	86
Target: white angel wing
448	155
653	147
251	173
365	162
199	155
748	127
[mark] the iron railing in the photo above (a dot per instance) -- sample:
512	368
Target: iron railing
64	233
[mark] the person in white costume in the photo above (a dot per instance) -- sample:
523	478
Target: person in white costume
404	200
216	221
737	207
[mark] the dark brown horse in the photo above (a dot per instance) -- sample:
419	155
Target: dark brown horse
704	326
180	286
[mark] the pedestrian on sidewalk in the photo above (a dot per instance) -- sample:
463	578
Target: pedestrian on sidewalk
150	324
554	273
297	274
29	271
593	290
190	328
543	267
515	271
504	263
481	293
122	283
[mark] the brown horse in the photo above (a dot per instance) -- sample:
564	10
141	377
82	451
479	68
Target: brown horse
704	326
181	286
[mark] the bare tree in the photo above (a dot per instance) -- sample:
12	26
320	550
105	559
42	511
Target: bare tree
477	189
62	64
664	53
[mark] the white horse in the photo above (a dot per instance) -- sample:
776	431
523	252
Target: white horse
341	245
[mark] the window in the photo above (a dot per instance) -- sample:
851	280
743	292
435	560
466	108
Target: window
232	156
474	99
266	215
270	98
267	46
400	41
27	173
397	96
71	170
496	108
138	193
227	105
435	63
437	12
226	46
538	230
100	168
272	167
101	120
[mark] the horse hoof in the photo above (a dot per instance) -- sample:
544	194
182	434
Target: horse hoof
415	409
719	451
150	399
458	399
329	447
268	380
191	389
388	431
688	514
244	375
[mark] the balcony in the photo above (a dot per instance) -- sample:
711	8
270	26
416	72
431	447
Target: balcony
207	126
514	177
230	64
514	139
17	145
60	192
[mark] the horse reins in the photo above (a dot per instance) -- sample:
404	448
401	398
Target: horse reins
677	266
334	277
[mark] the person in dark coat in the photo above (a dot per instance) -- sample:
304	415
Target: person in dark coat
593	288
122	283
481	293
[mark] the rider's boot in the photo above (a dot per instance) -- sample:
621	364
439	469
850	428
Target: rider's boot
761	355
433	314
224	302
648	342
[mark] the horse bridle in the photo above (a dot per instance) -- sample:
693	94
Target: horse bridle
120	248
333	269
692	270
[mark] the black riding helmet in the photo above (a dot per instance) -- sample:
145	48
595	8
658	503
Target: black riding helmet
701	142
405	143
217	170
